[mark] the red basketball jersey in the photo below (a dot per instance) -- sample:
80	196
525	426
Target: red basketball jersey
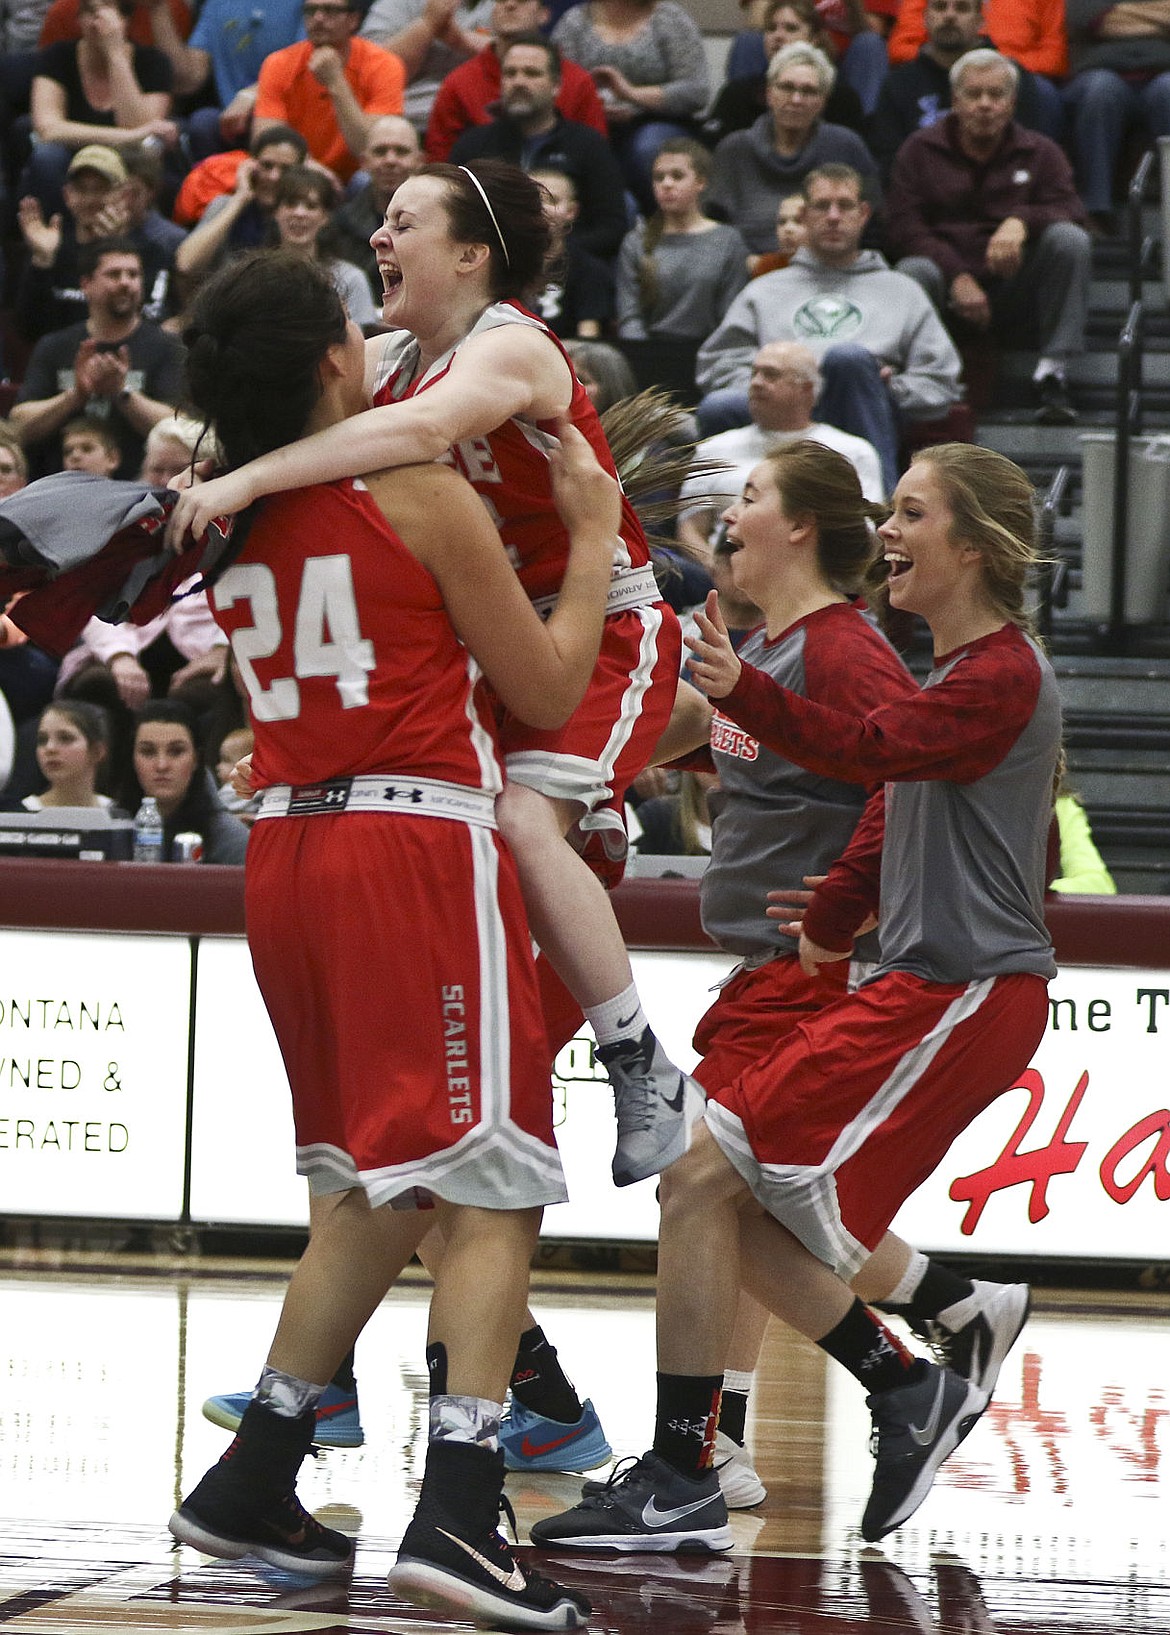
508	468
346	649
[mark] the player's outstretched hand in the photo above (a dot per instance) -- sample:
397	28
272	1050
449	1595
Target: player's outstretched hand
583	491
715	667
201	501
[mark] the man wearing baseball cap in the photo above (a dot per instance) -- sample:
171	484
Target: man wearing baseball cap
49	294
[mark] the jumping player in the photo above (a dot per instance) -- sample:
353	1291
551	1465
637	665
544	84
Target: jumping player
386	924
831	1131
472	378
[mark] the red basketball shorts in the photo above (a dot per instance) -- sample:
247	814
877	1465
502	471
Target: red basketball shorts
755	1010
394	958
611	735
837	1125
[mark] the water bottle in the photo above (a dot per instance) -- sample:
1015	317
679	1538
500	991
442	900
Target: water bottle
148	832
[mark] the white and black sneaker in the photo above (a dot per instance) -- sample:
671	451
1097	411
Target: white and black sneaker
649	1094
645	1505
453	1559
915	1428
974	1336
738	1477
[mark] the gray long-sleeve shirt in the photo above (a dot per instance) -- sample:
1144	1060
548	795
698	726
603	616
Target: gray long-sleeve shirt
698	275
668	52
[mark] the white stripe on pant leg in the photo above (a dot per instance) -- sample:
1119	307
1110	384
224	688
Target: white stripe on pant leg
495	1033
907	1073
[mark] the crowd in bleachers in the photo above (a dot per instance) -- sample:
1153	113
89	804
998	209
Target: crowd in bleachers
812	247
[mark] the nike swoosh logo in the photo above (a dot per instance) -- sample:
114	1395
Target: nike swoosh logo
624	1021
513	1581
653	1517
675	1102
335	1408
927	1433
530	1450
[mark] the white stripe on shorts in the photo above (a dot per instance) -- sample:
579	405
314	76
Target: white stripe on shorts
495	1165
575	777
495	1039
907	1073
803	1197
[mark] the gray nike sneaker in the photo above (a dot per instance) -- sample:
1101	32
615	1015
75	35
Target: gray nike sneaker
649	1094
645	1505
915	1428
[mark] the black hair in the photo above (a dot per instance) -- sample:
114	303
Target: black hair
515	228
551	51
304	181
256	333
195	809
90	255
300	183
91	720
272	135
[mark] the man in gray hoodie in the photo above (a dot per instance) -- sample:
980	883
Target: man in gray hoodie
883	350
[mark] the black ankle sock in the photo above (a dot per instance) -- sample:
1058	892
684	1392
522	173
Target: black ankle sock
870	1352
344	1379
684	1427
437	1368
939	1288
733	1415
540	1383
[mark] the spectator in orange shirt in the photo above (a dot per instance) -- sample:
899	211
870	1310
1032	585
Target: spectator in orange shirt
1031	32
330	86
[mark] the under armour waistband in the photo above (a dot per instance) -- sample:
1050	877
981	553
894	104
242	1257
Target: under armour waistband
629	587
380	792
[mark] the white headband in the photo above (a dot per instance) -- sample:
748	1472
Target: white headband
487	204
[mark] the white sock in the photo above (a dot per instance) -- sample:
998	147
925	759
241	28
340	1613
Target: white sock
286	1395
1046	367
739	1380
466	1419
617	1019
904	1290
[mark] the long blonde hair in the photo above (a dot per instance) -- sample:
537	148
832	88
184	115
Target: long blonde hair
994	509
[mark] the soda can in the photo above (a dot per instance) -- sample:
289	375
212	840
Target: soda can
187	848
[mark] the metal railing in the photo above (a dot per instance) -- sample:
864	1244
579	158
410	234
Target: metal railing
1052	572
1130	351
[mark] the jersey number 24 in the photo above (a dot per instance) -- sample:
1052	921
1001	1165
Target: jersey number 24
327	638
